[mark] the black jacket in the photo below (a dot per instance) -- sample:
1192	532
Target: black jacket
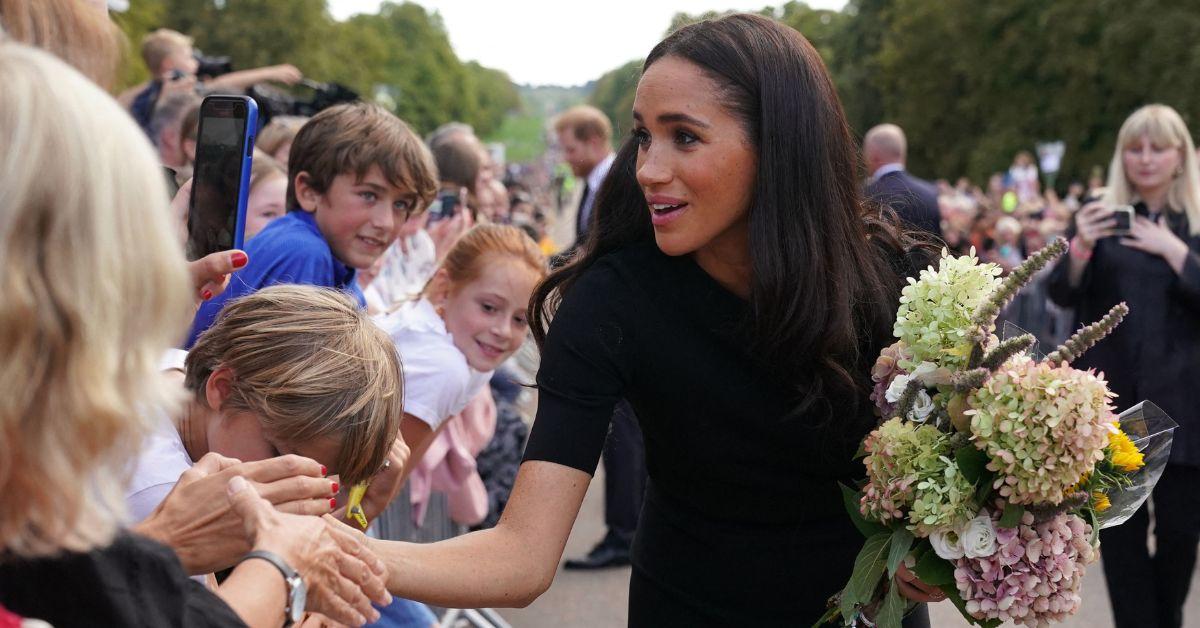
132	582
915	200
1154	355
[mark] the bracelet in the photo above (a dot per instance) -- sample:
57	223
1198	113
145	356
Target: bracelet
1080	252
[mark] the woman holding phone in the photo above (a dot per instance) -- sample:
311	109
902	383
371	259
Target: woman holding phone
1154	266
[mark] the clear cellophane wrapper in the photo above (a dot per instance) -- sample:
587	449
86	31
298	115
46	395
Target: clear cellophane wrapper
1151	431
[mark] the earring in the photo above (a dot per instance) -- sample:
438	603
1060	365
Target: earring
441	311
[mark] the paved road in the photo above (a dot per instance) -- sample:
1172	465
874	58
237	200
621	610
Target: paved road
598	600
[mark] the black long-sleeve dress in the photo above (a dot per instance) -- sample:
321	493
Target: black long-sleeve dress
743	521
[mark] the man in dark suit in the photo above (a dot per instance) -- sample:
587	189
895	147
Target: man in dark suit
585	135
915	200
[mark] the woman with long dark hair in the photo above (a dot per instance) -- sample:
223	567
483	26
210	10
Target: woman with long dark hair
735	291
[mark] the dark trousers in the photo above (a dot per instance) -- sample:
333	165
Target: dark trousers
1149	590
624	476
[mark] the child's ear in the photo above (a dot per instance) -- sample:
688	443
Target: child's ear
218	386
439	287
306	195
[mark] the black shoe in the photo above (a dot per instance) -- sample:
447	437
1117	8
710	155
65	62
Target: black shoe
605	554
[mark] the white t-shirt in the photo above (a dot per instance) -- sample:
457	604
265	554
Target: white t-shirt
403	274
438	382
162	460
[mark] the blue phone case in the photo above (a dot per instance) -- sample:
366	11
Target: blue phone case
248	137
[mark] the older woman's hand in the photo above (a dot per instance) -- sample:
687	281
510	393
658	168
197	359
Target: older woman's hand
341	575
196	521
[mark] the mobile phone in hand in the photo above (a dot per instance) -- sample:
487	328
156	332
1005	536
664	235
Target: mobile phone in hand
221	179
445	208
1124	218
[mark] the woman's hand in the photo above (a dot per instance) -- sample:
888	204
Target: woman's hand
912	588
196	521
342	577
1093	223
210	274
1156	238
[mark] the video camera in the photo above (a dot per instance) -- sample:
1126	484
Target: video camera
273	101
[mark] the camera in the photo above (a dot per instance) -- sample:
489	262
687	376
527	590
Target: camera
273	101
212	66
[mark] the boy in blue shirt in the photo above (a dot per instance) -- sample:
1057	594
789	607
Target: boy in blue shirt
356	173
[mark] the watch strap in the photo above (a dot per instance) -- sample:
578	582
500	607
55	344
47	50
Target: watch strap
290	577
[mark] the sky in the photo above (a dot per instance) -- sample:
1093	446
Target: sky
564	42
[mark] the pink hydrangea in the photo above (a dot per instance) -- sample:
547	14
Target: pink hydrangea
886	369
1042	426
1035	574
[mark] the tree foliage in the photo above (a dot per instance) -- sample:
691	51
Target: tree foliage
972	83
400	56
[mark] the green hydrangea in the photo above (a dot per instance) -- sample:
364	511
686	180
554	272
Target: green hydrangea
1042	426
910	476
934	319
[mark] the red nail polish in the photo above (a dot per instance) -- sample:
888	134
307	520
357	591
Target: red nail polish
335	488
332	503
323	472
206	295
238	259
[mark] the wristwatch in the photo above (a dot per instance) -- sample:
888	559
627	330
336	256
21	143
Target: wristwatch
297	594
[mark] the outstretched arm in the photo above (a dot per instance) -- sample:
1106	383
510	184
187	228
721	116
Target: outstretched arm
507	566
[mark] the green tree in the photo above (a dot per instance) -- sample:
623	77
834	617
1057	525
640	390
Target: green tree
613	94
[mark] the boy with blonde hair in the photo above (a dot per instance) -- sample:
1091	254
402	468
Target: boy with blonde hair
356	173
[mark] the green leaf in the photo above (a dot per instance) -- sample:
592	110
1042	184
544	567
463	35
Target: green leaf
902	541
984	490
850	498
891	612
934	570
868	570
1012	516
972	462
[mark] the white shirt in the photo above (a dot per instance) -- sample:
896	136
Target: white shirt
438	382
595	179
886	169
403	275
162	459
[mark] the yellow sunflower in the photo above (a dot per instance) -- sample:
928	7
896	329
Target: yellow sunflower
1125	454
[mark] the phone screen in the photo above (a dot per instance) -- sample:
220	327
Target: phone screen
217	209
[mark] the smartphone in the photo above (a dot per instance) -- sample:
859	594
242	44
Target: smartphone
447	205
221	176
1124	218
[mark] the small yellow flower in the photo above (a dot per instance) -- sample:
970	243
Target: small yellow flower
1100	501
1125	454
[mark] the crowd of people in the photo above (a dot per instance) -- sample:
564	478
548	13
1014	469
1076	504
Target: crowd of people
701	310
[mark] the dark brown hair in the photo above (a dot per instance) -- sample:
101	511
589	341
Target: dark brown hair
353	137
825	268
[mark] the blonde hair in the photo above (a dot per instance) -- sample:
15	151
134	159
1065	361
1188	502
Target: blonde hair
585	122
95	288
310	364
264	168
82	36
279	131
161	44
1163	126
482	245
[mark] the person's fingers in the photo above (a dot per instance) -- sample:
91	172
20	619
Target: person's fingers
366	581
348	586
280	467
339	610
210	273
213	462
913	593
245	502
299	487
352	542
307	507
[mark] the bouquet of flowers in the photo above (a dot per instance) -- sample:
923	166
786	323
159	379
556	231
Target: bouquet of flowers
993	468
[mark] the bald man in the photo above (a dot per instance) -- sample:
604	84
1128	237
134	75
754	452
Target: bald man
915	200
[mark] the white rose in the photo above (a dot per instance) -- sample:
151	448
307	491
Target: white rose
979	537
946	543
896	388
922	407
